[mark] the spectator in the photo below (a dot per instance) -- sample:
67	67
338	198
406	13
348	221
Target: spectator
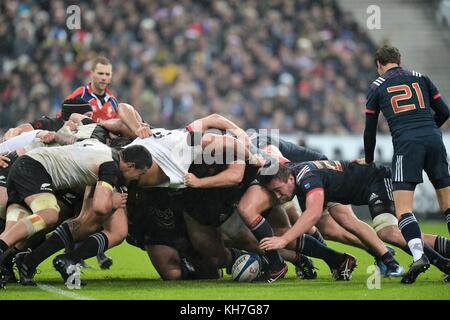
294	65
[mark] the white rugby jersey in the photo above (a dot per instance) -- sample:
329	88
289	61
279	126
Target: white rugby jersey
171	151
73	165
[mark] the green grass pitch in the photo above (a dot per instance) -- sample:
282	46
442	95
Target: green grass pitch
133	277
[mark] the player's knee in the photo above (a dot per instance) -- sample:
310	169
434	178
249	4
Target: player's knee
345	220
45	201
383	220
171	274
36	223
247	213
15	214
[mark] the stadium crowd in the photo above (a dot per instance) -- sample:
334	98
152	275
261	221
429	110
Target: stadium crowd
293	65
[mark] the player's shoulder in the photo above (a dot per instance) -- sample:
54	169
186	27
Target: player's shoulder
377	83
111	95
400	72
78	92
302	170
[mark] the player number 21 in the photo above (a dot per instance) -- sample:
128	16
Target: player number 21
405	93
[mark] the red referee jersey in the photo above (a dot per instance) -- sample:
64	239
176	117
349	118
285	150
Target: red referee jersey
104	109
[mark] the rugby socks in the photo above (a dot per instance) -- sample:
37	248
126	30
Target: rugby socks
3	247
59	239
442	245
411	232
92	246
447	217
309	246
387	258
261	229
8	258
318	236
435	258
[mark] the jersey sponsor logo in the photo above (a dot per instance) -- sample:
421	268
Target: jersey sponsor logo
373	196
307	185
164	218
46	187
69	197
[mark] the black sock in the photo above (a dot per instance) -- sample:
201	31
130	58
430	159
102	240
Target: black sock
60	238
261	229
407	250
409	227
318	236
95	244
309	246
8	258
3	247
435	258
388	259
447	217
442	245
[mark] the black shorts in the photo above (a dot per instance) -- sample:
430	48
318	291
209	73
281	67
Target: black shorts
411	156
155	218
27	177
4	172
380	197
212	207
70	201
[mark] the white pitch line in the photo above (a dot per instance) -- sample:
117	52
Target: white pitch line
69	294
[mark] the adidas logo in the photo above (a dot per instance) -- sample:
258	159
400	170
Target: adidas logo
373	196
46	187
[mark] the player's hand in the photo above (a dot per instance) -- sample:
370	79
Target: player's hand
119	200
46	136
143	132
72	125
360	161
257	160
192	181
4	161
77	118
11	133
272	243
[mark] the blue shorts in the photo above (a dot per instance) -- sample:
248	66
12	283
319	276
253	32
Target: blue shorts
413	155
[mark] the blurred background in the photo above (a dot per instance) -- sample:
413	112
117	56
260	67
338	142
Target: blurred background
300	66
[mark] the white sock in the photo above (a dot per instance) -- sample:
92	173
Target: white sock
416	247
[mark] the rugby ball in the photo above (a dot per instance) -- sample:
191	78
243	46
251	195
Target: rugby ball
246	267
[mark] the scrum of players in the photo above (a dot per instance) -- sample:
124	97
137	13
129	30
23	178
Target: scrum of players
194	198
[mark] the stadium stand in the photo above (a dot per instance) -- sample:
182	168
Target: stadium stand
294	65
